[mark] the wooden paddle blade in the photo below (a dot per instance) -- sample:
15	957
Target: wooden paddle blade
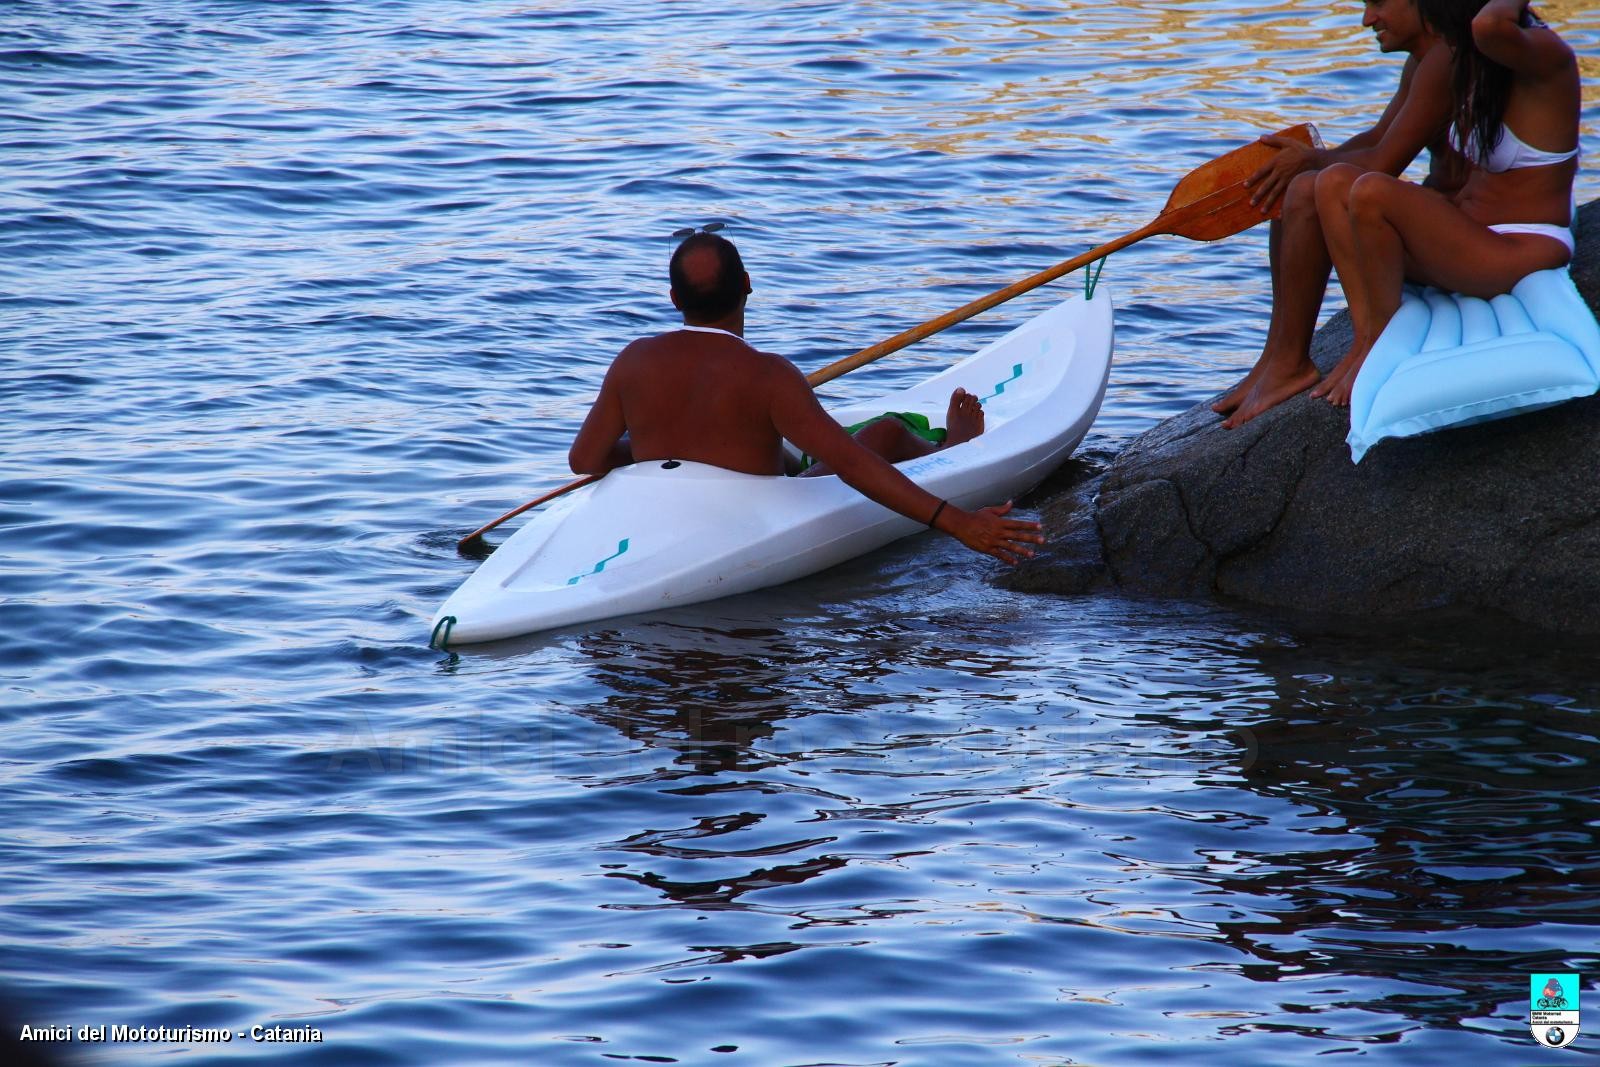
1222	214
1230	170
1225	209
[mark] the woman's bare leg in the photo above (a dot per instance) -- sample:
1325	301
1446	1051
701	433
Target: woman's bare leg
1235	396
1398	230
1334	187
1299	278
1374	262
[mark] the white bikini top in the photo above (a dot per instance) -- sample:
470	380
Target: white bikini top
1510	152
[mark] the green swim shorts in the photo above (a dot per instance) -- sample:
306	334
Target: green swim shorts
911	420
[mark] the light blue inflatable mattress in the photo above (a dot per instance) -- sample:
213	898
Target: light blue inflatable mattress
1448	360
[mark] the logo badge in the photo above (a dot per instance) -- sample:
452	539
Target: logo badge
1553	1008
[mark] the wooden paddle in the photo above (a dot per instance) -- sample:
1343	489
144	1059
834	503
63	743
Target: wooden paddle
1210	203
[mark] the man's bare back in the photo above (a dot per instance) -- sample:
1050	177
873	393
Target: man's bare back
701	393
729	422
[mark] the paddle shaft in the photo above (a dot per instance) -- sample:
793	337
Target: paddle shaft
1209	203
983	303
477	535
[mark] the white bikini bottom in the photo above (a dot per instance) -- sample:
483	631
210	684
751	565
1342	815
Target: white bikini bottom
1543	229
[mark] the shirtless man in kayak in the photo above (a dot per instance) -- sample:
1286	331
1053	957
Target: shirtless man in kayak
701	393
1297	250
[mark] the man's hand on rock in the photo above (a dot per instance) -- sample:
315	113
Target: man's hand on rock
987	531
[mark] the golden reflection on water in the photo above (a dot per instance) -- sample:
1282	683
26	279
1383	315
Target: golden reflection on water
1579	19
1231	68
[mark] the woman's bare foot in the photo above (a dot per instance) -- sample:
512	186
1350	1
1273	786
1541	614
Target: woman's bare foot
1272	389
1332	378
1339	395
1234	397
1339	383
964	420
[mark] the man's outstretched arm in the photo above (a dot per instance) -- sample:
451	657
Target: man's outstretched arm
799	418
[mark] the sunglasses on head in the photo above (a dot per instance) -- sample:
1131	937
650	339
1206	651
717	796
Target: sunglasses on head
690	231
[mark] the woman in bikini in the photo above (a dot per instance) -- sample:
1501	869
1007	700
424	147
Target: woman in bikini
1517	99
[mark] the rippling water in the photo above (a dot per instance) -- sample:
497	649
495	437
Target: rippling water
296	294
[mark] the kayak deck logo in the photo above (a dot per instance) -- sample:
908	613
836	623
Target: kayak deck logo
1553	1008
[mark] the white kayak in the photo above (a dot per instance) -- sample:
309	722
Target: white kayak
663	533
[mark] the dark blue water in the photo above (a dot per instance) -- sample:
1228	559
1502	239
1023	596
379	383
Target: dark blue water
296	294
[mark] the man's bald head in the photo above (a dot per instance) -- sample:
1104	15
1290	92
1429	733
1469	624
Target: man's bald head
708	278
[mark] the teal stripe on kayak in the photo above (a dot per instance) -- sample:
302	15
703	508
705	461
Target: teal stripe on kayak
622	546
1000	387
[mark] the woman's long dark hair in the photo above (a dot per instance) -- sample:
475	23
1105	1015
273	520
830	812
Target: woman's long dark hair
1480	87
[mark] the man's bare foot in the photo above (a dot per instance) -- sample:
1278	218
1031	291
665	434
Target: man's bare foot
964	420
889	438
1236	396
1271	390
